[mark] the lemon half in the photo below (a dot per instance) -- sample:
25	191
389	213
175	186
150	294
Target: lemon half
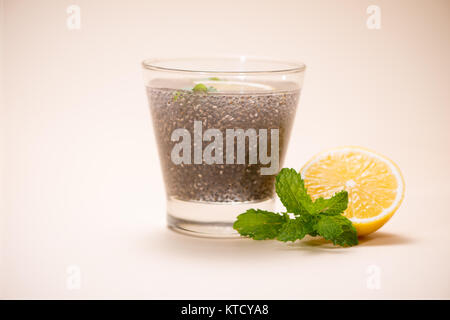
374	184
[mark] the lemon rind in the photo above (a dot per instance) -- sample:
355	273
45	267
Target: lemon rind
395	170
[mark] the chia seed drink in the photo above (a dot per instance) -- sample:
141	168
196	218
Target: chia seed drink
204	196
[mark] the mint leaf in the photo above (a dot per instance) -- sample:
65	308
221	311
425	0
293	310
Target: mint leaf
200	88
291	189
332	206
321	217
176	95
328	227
337	229
259	224
296	229
348	237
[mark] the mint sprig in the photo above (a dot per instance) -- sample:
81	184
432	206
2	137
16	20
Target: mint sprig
321	217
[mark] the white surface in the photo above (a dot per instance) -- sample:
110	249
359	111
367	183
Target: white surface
83	189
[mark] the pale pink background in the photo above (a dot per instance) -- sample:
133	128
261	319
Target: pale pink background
80	179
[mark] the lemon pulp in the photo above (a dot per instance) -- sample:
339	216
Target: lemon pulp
374	184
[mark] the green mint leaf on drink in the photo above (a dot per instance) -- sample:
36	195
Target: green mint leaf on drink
198	88
176	95
201	88
321	217
214	79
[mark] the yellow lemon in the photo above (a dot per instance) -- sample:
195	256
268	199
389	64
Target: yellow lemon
374	184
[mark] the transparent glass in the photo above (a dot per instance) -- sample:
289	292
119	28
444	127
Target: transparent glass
222	127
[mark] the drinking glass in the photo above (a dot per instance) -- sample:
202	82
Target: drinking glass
222	127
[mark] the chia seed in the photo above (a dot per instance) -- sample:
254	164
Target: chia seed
219	110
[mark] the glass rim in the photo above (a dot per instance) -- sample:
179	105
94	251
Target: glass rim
157	64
